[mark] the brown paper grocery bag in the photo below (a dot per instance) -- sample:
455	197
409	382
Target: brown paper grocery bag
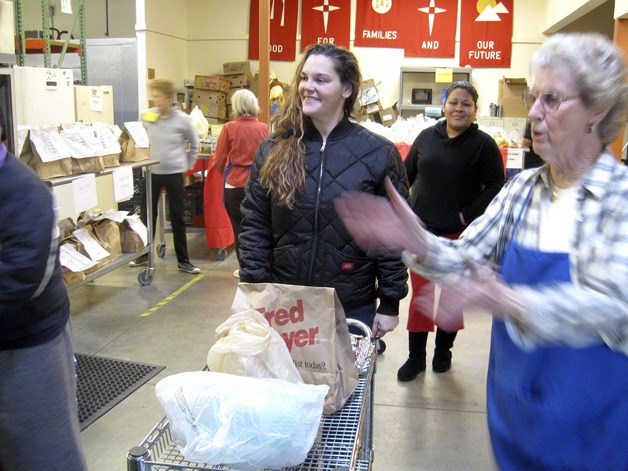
134	143
312	322
45	152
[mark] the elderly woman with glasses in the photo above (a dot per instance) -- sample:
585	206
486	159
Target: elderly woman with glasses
557	386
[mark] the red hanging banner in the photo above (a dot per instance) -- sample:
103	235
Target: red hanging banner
431	28
378	23
486	33
283	30
325	21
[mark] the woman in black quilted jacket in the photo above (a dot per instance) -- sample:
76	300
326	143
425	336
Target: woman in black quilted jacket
291	232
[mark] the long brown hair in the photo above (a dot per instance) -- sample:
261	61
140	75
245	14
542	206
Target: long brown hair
283	173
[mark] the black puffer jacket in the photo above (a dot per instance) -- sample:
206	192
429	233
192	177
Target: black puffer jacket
308	244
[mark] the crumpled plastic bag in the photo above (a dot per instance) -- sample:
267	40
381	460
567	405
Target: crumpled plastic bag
247	345
244	423
199	122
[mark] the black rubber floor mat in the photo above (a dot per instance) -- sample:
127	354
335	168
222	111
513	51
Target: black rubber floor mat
104	382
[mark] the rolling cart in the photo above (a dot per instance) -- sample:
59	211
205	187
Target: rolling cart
344	441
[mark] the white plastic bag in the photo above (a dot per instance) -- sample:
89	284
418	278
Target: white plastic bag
247	345
244	423
199	122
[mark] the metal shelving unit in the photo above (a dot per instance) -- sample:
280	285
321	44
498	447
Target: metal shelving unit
46	45
425	78
145	277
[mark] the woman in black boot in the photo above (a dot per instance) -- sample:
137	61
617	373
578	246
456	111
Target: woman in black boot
454	170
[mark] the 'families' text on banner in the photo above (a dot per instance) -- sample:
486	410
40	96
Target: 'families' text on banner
431	28
486	33
378	23
283	30
325	21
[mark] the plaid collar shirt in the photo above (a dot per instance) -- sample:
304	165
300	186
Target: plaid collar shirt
593	308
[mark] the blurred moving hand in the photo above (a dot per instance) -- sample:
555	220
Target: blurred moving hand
382	226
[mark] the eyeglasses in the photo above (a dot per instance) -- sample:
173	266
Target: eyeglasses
550	101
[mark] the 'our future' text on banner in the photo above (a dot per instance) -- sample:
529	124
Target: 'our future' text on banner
283	30
486	33
325	21
431	28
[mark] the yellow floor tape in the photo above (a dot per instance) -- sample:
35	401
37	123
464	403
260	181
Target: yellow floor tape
167	299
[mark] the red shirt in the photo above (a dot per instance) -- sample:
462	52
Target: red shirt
237	144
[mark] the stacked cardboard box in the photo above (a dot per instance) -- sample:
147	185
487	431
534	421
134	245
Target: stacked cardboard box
210	95
238	74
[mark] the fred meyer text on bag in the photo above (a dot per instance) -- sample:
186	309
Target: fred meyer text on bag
294	315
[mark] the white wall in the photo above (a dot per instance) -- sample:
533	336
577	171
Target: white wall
212	42
621	9
188	37
559	13
166	39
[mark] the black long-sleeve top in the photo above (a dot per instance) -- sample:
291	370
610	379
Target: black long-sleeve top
449	176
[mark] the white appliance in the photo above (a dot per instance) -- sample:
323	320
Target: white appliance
94	104
44	96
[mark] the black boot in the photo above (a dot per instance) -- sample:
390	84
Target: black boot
415	364
442	353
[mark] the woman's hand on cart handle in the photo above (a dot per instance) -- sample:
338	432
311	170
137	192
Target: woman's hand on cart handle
382	226
382	324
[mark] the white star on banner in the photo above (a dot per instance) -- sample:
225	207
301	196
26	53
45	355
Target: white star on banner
326	8
432	11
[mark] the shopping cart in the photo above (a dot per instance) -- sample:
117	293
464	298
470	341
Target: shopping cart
344	441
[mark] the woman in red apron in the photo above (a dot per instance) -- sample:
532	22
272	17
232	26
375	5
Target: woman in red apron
557	387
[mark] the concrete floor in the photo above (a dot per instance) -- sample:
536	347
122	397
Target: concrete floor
436	422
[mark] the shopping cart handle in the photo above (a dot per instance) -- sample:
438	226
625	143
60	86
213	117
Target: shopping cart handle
362	326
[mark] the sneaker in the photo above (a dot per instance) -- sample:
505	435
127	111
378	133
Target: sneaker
410	369
188	267
441	362
236	274
139	261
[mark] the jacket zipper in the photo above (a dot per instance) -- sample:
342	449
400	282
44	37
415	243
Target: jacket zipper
316	208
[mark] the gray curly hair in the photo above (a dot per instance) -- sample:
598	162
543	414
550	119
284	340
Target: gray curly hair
599	72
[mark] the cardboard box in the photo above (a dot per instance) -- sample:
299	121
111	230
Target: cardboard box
229	68
210	97
509	97
239	80
512	87
211	82
372	108
216	120
214	110
368	93
362	118
513	108
388	116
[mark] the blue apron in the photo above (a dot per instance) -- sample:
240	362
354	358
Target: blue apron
224	178
559	407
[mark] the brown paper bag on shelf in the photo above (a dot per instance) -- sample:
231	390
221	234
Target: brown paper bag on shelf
107	232
134	143
109	143
46	153
312	322
133	234
85	150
